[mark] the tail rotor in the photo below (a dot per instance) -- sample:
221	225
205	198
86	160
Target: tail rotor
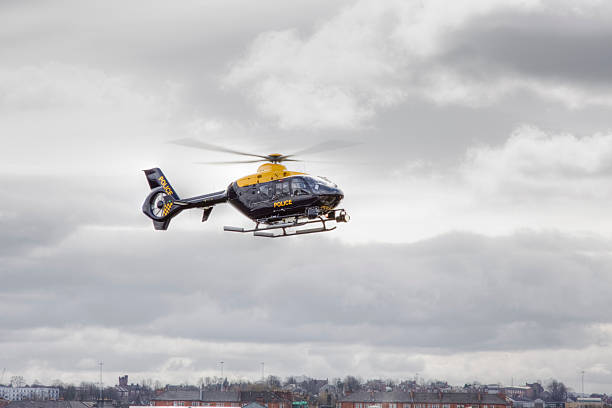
159	204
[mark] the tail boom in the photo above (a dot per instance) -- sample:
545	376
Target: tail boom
163	203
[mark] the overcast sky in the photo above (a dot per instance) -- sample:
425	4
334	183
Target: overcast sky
479	245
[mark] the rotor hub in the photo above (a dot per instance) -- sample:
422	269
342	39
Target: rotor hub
275	157
271	167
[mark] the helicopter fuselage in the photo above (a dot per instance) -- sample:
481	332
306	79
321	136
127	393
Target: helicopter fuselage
293	196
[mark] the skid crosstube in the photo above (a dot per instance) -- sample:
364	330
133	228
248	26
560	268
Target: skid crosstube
279	230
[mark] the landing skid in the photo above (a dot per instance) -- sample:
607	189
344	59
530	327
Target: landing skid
280	229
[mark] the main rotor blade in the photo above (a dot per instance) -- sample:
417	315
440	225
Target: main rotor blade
207	146
324	147
233	162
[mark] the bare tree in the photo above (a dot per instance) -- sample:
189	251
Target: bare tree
273	381
17	381
352	384
68	392
557	390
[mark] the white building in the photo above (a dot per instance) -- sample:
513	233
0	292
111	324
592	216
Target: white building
29	393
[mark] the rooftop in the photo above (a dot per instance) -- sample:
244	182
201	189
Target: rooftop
48	404
179	395
425	397
221	396
253	405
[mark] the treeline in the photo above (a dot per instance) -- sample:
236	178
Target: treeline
324	391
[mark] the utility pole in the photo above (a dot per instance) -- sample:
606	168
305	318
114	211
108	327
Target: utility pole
222	380
101	363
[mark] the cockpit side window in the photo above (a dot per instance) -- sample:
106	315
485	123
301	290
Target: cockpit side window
299	187
266	191
259	193
282	189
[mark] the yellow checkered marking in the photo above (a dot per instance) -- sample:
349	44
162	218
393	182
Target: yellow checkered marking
167	208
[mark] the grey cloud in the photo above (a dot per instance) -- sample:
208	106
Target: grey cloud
200	53
188	47
164	303
190	43
570	47
41	210
466	285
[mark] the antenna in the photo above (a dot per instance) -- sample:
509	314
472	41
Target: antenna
582	372
2	376
262	371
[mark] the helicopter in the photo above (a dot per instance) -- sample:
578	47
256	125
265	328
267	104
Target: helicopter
281	202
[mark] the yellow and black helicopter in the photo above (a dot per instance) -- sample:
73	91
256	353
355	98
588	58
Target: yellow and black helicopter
279	201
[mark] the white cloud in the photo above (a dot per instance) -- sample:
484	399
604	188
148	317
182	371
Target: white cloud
71	354
65	118
537	179
309	104
445	86
60	86
360	61
78	121
373	55
328	80
423	25
536	163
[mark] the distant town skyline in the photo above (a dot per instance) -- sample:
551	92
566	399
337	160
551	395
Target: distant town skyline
348	392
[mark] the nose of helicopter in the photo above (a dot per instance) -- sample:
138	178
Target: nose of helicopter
339	194
332	197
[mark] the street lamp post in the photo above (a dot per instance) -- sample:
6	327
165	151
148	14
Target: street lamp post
101	363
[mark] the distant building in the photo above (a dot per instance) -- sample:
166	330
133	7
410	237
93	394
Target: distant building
29	393
269	399
519	392
185	398
585	403
49	404
189	398
521	403
249	405
493	388
123	393
401	399
537	403
537	389
129	392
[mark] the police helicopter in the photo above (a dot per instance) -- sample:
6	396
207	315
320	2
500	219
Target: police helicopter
281	202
